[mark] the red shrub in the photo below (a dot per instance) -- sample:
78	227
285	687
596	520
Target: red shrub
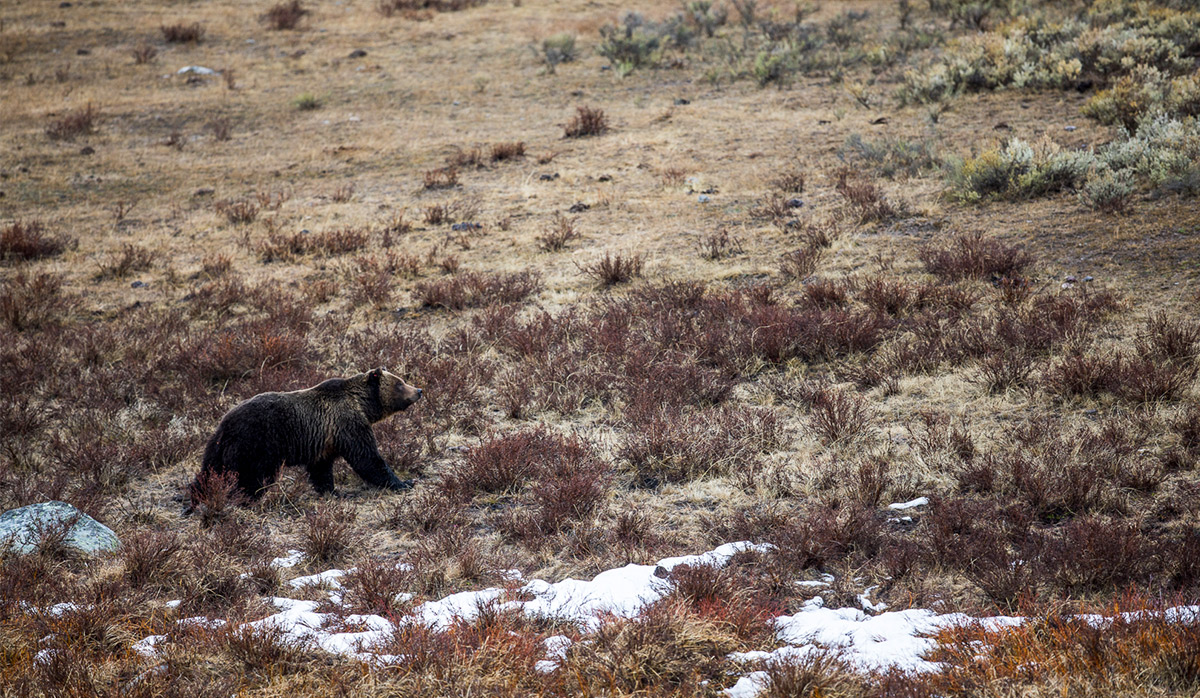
475	289
25	240
974	255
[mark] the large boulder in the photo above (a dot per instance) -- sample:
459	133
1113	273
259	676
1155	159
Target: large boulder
22	530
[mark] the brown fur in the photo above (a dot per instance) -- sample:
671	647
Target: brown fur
310	428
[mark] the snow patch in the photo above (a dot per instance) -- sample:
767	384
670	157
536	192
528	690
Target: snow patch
749	686
901	506
328	578
293	558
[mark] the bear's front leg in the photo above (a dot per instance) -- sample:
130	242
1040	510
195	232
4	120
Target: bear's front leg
357	445
320	474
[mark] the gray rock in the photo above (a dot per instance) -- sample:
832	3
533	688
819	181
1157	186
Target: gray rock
21	529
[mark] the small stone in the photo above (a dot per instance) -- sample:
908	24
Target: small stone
21	529
604	178
682	102
1070	128
358	53
87	150
795	203
1087	278
578	207
83	52
204	191
138	284
703	198
466	226
1070	279
548	177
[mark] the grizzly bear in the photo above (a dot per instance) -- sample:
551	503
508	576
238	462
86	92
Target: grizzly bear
310	428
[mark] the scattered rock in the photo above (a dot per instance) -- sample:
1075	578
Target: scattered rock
682	102
195	70
548	177
138	284
204	191
358	53
83	52
604	178
795	203
87	150
578	207
22	530
466	226
880	121
1070	128
703	198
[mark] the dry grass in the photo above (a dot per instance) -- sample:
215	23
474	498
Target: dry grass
781	371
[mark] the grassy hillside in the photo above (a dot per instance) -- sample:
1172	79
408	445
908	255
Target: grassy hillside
671	276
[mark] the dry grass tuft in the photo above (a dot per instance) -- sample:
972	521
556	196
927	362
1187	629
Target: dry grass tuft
27	240
613	268
588	121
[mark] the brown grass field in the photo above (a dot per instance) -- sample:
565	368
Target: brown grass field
733	271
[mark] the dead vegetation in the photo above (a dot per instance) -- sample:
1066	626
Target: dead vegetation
757	323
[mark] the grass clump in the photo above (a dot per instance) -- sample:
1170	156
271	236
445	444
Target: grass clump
307	102
588	121
183	33
75	122
27	240
557	49
285	15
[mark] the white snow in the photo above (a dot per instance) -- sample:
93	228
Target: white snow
293	558
620	592
148	646
328	578
899	639
556	651
749	686
864	600
60	609
901	506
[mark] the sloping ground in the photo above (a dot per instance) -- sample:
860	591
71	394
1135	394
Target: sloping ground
742	312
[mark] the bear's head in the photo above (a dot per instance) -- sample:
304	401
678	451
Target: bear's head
394	394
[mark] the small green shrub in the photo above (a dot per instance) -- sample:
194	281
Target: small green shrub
1018	170
705	17
307	102
559	48
770	67
1142	56
630	47
1108	191
889	156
